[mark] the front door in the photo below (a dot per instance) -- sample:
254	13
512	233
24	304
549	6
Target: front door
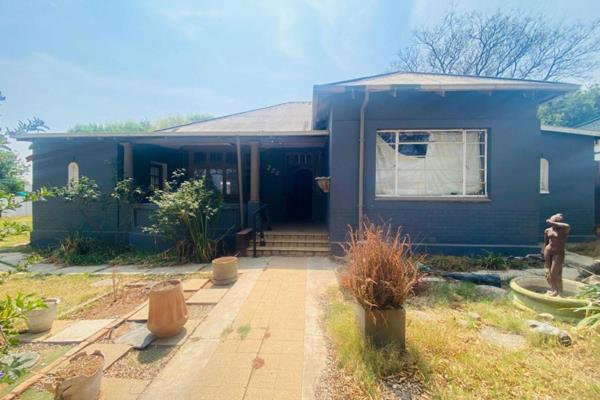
301	196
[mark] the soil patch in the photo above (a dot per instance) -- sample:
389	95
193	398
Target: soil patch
166	285
109	307
81	365
144	364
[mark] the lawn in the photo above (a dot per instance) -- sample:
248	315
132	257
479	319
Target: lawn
17	240
448	359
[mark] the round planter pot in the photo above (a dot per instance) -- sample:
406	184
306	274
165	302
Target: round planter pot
224	270
81	378
167	312
381	326
42	320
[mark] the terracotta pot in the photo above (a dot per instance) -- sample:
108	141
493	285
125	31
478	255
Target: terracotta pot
81	385
323	182
224	270
42	320
167	312
381	326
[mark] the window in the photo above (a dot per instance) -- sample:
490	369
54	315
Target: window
222	169
158	175
73	173
431	163
544	176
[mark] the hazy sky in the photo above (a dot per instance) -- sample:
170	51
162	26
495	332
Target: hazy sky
72	62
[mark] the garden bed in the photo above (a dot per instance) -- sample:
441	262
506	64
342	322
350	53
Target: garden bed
109	306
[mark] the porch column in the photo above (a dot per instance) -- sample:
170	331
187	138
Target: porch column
254	172
127	160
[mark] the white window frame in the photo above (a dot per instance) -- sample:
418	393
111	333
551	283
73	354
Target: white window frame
464	166
544	176
73	173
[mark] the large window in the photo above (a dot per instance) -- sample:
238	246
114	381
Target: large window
222	168
431	163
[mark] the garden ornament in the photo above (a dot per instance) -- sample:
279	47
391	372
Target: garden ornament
555	241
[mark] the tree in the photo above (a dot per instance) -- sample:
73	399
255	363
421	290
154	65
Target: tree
504	44
572	109
141	126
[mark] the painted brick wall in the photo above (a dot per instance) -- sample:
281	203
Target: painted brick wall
507	222
572	174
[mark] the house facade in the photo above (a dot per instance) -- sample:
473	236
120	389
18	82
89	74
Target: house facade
460	163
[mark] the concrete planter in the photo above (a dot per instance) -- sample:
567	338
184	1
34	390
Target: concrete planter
85	384
42	320
167	312
381	326
224	270
529	294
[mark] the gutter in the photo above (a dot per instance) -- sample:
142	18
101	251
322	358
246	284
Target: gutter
361	162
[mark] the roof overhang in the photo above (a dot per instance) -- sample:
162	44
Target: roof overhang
162	135
572	131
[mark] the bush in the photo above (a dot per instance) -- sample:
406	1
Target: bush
79	249
187	212
382	269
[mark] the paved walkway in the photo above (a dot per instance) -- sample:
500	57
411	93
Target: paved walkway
262	341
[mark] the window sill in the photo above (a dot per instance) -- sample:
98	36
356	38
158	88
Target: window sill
447	199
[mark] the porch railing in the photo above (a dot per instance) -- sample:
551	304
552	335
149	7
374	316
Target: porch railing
258	226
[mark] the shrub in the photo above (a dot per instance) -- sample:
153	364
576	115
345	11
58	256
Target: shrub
382	269
592	310
187	212
79	249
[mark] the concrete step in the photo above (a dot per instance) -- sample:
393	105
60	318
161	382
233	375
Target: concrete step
290	251
304	242
298	236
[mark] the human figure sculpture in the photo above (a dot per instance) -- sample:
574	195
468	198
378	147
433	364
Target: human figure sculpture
555	241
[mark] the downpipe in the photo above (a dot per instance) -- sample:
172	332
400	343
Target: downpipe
361	162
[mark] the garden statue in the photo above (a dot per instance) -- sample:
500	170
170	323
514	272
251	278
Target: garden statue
555	241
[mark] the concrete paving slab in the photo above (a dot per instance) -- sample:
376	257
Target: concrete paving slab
192	285
43	268
321	263
253	263
112	352
57	326
140	315
177	269
122	389
124	269
87	269
138	338
78	331
177	340
12	258
6	268
207	296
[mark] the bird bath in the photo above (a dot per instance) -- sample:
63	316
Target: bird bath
529	293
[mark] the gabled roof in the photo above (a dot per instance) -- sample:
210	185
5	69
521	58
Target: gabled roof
444	82
286	117
572	131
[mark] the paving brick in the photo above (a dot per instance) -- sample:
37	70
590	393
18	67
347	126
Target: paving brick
192	285
122	389
207	296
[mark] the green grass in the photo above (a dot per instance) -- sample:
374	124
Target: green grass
453	362
16	240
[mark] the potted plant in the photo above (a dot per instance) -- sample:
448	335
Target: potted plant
323	182
224	270
41	320
80	378
167	312
381	274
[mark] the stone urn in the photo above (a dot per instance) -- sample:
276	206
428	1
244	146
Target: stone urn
224	270
80	378
381	326
41	320
167	312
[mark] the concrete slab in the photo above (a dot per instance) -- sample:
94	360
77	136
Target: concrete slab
78	331
122	389
253	263
12	258
177	269
112	352
140	315
124	269
207	296
57	326
321	263
87	269
138	338
192	285
579	260
43	268
177	340
6	268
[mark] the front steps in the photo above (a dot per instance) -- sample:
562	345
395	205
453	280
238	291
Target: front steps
293	243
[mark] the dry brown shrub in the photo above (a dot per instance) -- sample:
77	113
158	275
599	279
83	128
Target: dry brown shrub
381	268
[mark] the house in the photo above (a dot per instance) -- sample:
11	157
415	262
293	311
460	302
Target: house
460	162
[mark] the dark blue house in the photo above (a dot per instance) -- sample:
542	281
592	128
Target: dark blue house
460	162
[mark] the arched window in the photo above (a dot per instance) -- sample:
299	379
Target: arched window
544	176
73	173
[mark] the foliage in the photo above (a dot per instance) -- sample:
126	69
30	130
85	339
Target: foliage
8	201
592	310
82	193
13	311
572	109
591	249
509	44
127	191
382	270
490	261
79	249
187	212
141	126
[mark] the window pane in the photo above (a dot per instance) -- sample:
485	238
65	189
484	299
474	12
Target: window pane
385	167
217	178
231	182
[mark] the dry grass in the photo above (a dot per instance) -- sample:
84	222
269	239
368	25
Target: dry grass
455	363
382	269
591	249
20	239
